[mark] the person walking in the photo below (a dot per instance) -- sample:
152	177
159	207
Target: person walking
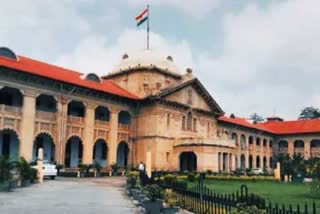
141	169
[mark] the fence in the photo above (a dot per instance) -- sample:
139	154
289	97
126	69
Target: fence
200	199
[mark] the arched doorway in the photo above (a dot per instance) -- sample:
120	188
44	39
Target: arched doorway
102	113
76	109
11	97
243	161
283	146
234	137
122	154
124	118
46	103
258	162
9	144
73	152
250	161
264	162
243	142
188	161
100	151
44	141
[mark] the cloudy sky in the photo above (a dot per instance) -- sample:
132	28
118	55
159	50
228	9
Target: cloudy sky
252	55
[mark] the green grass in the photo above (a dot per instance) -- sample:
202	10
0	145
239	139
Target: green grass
281	193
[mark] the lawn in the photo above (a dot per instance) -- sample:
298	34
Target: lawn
281	193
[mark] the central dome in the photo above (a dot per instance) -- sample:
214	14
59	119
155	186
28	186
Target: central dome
146	59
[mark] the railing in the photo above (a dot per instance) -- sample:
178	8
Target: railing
205	141
42	115
101	123
200	199
299	150
283	150
75	119
315	152
10	110
124	127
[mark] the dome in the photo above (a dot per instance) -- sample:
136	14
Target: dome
146	59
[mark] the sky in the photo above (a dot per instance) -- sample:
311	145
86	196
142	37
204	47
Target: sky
253	56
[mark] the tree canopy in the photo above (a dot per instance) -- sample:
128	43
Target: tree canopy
256	118
309	113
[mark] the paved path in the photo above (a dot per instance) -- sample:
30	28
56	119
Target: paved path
68	196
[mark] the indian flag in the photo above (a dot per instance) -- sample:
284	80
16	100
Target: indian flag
142	17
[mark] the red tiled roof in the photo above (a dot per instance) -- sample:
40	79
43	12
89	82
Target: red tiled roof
35	67
278	127
292	127
243	122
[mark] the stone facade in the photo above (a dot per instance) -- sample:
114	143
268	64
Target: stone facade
175	119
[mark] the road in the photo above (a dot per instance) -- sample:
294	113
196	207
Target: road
68	196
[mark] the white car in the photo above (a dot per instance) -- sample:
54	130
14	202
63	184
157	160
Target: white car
49	169
257	171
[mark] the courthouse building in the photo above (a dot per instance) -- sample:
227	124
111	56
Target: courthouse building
144	105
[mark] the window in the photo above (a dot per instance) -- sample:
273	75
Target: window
189	97
194	124
208	129
168	120
183	122
189	121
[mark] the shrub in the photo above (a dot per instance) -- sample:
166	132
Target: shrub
97	166
245	209
6	166
191	177
209	172
153	192
169	179
114	168
24	169
315	188
131	181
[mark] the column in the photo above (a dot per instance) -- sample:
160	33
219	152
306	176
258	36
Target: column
233	162
113	137
219	168
62	111
291	148
27	128
246	164
307	149
226	160
88	136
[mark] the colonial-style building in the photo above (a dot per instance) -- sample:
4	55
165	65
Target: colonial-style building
144	105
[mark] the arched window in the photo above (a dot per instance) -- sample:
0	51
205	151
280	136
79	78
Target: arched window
183	123
195	124
250	140
243	142
93	77
189	121
258	141
189	97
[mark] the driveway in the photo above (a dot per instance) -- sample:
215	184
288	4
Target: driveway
69	195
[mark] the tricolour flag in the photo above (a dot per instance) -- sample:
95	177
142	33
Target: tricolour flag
142	17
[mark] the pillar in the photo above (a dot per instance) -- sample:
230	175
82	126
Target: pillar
307	149
113	137
88	141
28	125
62	112
291	148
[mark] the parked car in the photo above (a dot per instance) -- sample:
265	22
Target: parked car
257	171
49	169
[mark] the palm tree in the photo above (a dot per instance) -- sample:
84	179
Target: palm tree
285	164
6	167
298	165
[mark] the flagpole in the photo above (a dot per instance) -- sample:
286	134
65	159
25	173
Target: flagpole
148	28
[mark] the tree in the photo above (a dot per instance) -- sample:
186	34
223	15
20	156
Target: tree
309	113
256	118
